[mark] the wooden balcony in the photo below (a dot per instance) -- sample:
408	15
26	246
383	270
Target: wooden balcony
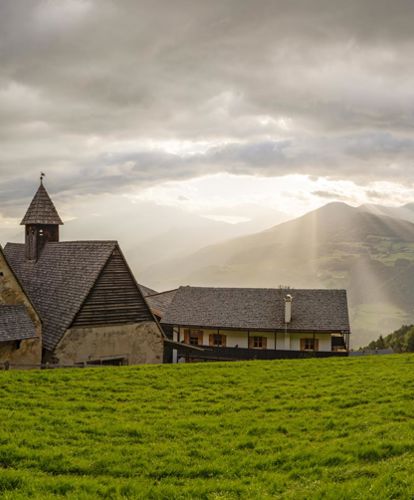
207	353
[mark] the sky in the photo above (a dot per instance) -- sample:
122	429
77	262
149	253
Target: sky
229	109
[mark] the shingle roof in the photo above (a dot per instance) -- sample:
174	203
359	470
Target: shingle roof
60	280
160	302
258	309
15	324
147	291
41	210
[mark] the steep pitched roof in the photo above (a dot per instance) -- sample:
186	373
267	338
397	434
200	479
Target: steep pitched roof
41	210
258	309
60	280
160	302
15	324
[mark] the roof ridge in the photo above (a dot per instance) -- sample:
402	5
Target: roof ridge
255	288
161	293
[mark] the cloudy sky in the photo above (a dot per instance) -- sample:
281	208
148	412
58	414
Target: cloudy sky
212	107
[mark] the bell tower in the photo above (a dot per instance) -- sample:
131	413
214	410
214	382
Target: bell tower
41	223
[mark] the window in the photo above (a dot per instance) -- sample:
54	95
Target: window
193	337
196	337
310	344
257	342
217	340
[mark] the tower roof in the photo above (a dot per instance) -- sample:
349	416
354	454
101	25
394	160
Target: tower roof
41	210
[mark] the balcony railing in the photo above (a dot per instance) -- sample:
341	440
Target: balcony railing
240	353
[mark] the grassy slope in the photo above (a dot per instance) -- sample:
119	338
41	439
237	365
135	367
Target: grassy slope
337	428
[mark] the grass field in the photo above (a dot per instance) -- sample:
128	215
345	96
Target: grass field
333	428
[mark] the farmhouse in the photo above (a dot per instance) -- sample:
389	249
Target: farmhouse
20	325
256	323
92	309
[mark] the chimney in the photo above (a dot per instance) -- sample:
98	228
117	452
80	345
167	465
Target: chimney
288	308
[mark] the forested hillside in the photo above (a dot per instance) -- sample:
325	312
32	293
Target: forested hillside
402	340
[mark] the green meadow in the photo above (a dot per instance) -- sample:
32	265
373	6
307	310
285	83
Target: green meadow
315	428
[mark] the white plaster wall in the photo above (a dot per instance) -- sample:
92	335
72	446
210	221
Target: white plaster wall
291	341
324	340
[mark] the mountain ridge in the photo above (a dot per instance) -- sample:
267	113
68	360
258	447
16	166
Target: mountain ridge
335	246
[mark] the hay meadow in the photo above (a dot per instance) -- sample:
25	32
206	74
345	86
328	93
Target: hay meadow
315	428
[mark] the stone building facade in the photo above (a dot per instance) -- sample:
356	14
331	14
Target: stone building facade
20	325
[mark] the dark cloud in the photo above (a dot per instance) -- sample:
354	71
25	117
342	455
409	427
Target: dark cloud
90	90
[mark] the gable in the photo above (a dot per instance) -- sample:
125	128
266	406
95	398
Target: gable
11	291
115	298
60	280
18	317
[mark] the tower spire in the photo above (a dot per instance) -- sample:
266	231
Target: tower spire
42	222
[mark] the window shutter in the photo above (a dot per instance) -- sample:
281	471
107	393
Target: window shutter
316	344
251	340
211	340
223	341
200	338
264	342
302	344
186	335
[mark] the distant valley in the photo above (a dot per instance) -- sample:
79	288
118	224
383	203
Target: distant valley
368	250
336	246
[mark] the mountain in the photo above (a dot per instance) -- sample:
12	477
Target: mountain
335	246
149	233
405	212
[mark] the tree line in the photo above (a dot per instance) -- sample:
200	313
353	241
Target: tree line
402	340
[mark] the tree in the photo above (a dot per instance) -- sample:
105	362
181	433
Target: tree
410	341
381	343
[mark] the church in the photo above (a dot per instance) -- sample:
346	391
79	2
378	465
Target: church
92	309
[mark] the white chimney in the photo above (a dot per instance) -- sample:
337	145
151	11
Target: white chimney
288	308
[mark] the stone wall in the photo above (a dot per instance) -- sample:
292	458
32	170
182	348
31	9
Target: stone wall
25	354
29	351
138	343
